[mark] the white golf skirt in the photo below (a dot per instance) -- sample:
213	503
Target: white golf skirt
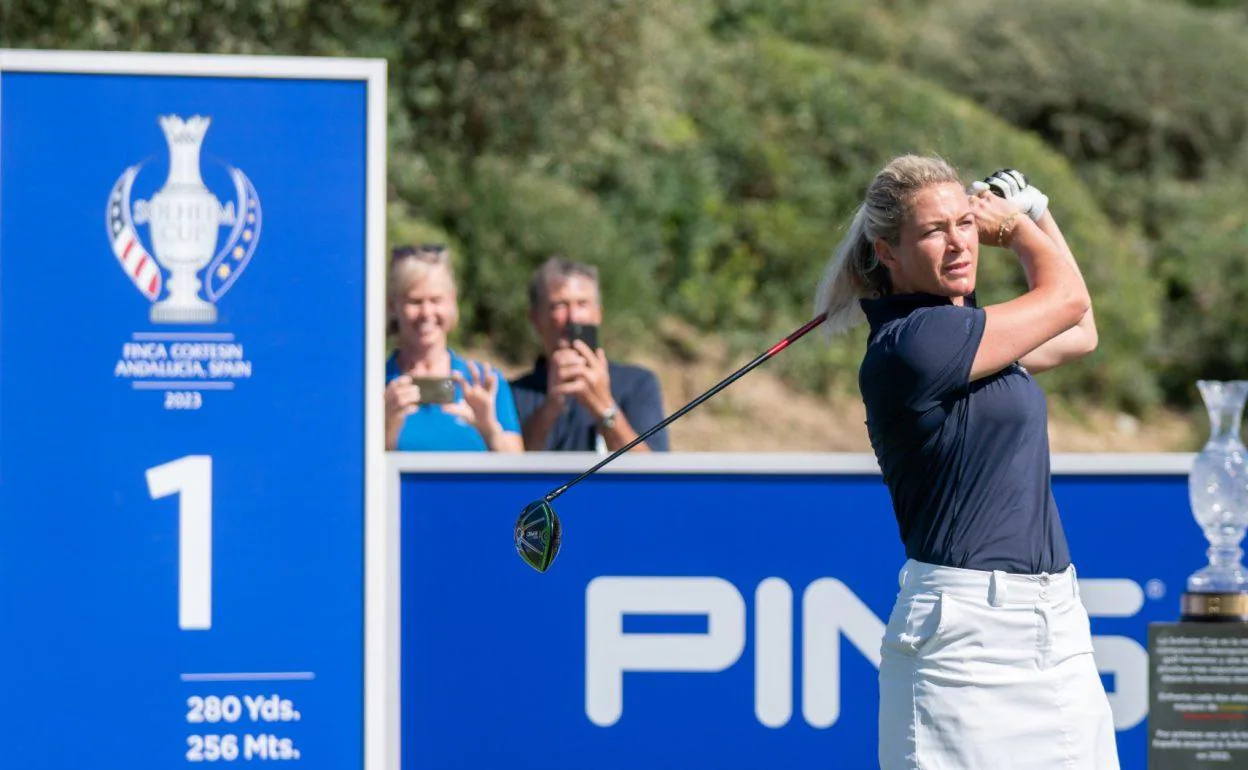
991	671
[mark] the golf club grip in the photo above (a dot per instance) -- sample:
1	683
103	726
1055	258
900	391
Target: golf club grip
997	189
738	374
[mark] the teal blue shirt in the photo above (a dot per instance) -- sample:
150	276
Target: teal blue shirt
430	429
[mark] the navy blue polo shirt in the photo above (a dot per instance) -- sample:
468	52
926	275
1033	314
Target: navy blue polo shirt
966	463
635	391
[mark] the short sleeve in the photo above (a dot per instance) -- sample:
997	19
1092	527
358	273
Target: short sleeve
505	406
935	349
643	406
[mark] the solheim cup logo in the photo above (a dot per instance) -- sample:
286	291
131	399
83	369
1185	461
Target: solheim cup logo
196	247
184	220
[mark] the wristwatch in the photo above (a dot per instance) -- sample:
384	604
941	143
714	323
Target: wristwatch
607	421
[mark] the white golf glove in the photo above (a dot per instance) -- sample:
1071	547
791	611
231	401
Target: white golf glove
1012	186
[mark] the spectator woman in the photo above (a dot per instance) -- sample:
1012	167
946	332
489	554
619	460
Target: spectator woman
423	309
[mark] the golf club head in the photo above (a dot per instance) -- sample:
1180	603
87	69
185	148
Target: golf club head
538	535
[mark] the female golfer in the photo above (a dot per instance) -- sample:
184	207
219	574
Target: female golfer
987	656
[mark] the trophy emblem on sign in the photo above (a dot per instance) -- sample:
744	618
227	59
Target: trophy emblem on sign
185	219
1218	491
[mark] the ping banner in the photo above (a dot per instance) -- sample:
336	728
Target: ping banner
719	611
191	261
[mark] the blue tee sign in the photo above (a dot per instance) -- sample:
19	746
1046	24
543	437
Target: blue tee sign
719	611
190	266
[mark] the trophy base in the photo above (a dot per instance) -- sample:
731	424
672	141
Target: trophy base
1221	607
205	313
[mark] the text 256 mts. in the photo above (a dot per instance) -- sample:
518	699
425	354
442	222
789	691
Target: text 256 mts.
228	748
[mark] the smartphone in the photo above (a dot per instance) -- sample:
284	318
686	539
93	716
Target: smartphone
587	333
435	390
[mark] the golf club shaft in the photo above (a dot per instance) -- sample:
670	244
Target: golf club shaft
738	374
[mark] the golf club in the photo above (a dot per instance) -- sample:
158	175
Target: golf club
538	530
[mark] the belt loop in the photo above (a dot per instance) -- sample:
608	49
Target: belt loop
901	578
997	590
1074	580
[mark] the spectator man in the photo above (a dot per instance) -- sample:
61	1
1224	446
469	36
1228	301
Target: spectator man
574	399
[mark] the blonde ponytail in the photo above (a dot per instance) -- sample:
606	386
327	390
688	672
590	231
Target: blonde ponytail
843	282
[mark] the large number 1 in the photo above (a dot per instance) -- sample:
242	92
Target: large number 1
190	478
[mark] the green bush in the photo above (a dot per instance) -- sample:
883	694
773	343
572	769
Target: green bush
872	29
1146	86
205	26
1227	4
516	78
1203	257
800	132
1197	236
508	220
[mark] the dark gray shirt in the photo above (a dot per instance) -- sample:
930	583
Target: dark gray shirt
634	389
966	463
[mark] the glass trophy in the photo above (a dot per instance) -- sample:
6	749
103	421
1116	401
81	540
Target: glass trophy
1218	492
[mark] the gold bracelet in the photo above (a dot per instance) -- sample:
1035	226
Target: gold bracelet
1006	229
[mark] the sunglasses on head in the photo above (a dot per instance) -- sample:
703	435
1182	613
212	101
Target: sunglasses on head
422	250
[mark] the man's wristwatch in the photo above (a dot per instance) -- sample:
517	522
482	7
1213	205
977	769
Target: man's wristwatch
607	421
